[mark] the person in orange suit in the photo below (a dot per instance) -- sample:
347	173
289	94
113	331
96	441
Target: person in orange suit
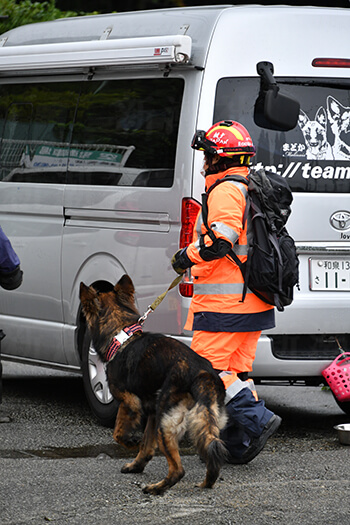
226	324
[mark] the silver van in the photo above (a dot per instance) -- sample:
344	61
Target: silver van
98	177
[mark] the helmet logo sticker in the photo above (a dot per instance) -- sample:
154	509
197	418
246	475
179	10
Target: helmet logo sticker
219	138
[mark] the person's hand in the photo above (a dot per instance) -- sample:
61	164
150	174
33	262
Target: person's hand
180	261
11	280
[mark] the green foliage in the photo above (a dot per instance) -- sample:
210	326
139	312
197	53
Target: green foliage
27	12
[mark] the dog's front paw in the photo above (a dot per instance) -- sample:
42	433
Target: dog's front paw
133	467
155	489
204	485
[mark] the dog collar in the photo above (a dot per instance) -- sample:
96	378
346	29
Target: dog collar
120	339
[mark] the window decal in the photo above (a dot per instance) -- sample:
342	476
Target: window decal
315	135
339	117
315	155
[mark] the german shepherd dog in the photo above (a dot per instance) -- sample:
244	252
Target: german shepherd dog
160	379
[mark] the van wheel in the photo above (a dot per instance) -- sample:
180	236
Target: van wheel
102	404
344	405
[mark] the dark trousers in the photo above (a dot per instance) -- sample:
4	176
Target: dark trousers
247	418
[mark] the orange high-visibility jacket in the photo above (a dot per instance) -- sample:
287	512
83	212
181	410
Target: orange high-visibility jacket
217	304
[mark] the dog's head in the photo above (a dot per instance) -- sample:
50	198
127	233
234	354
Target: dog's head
339	116
107	313
314	131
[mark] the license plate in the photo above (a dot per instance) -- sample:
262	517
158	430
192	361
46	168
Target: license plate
330	274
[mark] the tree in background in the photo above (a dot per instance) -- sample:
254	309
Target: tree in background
28	12
15	13
109	6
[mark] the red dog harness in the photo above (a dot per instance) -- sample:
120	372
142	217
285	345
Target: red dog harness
120	339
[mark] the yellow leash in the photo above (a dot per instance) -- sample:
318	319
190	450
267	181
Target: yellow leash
159	299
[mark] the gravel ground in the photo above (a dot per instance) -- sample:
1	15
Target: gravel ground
57	465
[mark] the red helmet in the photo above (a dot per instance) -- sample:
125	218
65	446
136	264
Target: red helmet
225	138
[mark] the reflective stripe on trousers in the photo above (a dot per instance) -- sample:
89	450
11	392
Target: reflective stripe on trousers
233	385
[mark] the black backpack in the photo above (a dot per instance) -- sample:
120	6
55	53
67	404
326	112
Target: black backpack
272	267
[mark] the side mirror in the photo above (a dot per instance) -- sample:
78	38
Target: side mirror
272	109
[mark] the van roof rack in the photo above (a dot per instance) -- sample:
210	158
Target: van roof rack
168	49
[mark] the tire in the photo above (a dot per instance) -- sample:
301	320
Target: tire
102	404
343	405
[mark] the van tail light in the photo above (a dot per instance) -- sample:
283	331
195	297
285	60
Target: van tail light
189	211
186	289
331	62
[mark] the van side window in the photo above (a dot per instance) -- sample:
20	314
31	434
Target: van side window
129	131
315	155
35	129
119	133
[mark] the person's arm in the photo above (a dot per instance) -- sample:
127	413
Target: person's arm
11	275
225	215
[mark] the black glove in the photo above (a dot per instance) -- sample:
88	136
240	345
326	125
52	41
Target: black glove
180	261
11	280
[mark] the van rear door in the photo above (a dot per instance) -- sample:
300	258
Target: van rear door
314	157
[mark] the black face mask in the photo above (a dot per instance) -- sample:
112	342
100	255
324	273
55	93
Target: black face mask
225	163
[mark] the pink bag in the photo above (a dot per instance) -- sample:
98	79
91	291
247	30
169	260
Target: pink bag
337	375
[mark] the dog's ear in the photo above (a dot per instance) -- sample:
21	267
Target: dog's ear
125	287
333	109
89	301
321	117
303	119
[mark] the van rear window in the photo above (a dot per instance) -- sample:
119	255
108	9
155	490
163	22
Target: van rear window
118	132
315	155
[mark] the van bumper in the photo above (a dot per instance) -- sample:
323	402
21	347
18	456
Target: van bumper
269	367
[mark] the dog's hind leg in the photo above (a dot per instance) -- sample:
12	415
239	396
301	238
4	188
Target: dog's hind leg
147	448
172	426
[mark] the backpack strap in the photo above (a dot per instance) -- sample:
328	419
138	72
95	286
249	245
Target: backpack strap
205	219
205	196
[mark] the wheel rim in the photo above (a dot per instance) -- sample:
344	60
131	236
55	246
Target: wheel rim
98	378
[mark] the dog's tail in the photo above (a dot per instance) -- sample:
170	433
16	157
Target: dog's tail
206	421
217	455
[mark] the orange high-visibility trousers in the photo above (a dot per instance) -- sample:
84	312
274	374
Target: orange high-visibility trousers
234	352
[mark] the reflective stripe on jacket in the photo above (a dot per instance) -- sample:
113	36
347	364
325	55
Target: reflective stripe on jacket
218	284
